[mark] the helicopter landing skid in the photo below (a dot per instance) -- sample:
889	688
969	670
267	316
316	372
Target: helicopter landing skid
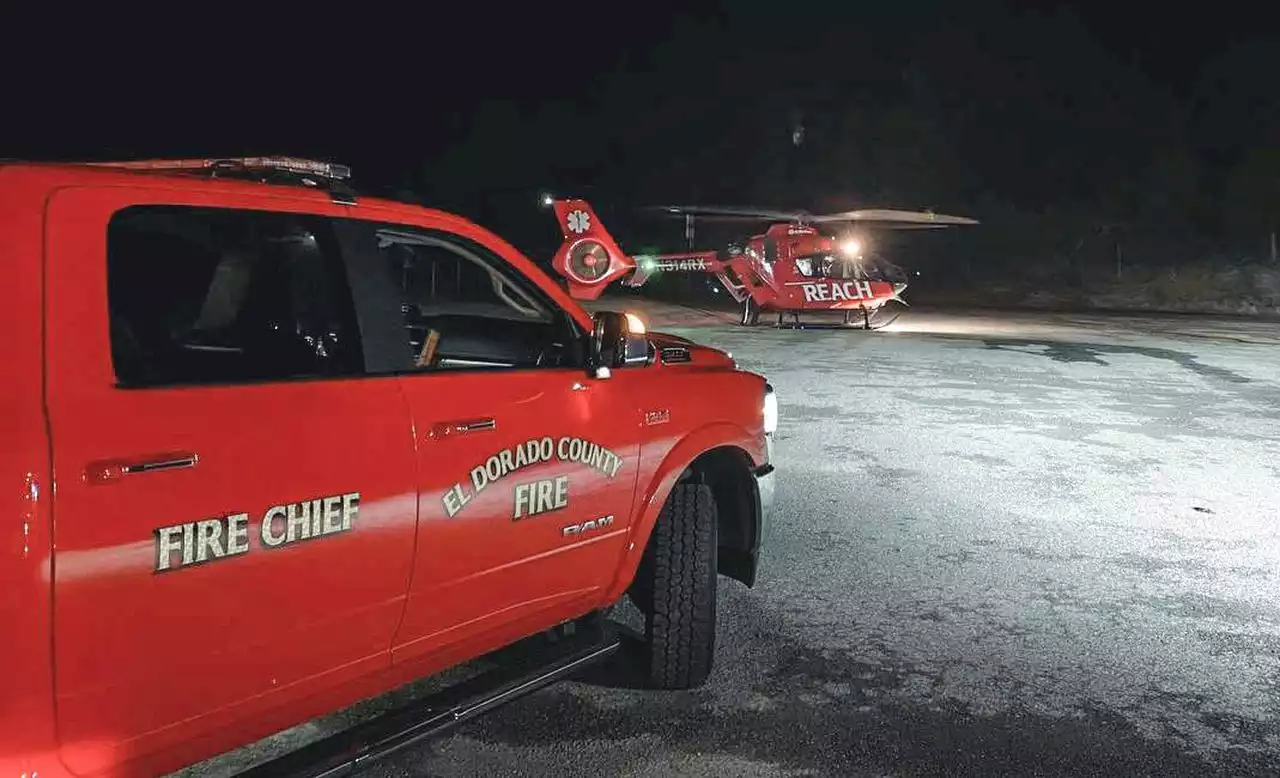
853	320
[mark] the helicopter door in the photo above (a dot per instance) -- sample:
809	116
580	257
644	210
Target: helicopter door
770	250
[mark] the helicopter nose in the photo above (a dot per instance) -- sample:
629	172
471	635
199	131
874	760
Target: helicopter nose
898	287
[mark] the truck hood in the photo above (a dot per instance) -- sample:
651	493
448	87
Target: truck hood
675	350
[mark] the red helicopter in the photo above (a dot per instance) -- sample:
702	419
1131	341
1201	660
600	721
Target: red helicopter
793	267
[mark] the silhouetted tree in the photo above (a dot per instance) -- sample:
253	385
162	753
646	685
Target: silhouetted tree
1252	200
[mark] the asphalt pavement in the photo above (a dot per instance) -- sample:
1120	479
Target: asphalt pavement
1005	544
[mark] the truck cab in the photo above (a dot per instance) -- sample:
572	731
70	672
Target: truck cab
273	448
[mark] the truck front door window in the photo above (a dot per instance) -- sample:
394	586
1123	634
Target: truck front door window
462	309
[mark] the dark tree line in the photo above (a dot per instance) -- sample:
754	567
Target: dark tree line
1075	156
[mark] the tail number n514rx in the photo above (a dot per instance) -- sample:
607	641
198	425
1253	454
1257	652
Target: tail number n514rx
590	525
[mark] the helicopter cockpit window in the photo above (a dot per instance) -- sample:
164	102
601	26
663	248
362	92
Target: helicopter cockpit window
825	265
861	268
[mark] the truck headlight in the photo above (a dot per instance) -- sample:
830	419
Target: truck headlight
770	410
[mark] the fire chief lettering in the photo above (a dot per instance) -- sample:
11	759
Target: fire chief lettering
517	458
208	540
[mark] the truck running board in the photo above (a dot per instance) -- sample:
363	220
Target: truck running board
345	752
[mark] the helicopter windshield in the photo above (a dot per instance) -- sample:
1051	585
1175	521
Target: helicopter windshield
861	268
827	265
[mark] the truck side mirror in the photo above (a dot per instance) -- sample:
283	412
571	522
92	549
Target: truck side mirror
617	340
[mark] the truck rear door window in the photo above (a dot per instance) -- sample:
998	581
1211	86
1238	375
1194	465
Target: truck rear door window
208	295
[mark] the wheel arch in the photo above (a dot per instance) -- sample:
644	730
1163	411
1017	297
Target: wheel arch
728	471
725	454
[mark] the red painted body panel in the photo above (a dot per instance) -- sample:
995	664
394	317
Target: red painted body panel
27	735
113	668
484	564
707	412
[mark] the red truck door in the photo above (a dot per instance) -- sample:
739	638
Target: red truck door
527	467
235	500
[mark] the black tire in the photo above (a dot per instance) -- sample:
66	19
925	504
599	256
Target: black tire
680	565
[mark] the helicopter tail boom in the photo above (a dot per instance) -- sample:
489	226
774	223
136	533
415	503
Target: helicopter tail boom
590	259
693	261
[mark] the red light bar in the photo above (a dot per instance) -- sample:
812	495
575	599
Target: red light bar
291	164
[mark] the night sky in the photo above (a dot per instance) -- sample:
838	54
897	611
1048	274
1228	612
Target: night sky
1047	124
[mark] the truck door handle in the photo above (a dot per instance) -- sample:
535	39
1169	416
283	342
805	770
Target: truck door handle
446	429
107	470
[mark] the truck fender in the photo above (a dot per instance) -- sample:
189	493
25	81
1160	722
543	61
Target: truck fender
654	495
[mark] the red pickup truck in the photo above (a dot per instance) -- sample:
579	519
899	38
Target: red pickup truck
271	448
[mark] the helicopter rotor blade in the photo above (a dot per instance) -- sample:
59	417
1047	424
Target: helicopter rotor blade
892	218
730	212
885	218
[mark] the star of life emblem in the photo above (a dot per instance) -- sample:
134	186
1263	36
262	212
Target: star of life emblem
579	222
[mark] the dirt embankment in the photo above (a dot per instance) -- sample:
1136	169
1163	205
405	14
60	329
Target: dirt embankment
1248	290
1251	290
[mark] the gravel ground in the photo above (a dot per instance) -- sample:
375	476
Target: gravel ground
1004	544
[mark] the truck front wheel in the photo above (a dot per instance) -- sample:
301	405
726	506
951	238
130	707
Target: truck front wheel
677	582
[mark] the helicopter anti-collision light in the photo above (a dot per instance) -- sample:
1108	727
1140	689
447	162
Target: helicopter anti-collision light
851	247
547	200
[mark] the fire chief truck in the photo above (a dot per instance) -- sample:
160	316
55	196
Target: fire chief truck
272	447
